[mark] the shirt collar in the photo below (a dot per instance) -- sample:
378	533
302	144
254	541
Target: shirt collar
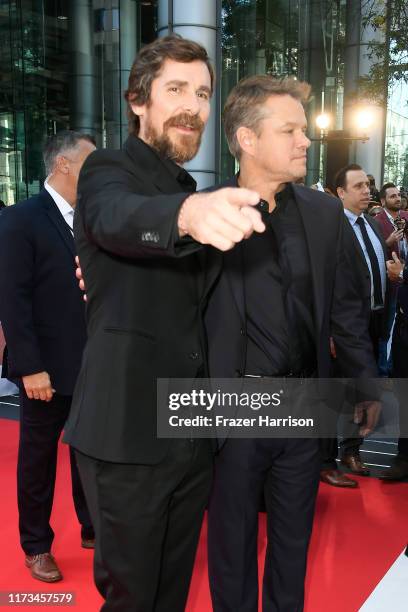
181	175
284	195
352	217
281	198
64	207
390	218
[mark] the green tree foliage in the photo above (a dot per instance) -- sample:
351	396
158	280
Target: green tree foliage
390	56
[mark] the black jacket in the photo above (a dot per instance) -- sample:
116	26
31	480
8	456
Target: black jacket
339	303
143	302
41	305
357	259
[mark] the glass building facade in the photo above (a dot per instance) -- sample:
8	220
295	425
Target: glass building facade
65	64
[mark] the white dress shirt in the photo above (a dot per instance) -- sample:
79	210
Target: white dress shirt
64	207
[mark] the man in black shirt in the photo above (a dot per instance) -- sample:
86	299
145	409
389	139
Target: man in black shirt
137	230
279	297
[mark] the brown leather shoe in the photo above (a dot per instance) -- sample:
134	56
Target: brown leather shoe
43	567
355	465
398	471
88	542
337	479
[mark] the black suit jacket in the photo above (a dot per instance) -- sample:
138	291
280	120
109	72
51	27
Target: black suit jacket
339	307
362	276
134	272
41	306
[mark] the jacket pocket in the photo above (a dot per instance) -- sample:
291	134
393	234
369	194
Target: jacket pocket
127	332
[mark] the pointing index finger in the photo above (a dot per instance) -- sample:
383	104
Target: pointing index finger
242	197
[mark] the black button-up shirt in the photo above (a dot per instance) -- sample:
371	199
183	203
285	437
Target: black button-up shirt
278	294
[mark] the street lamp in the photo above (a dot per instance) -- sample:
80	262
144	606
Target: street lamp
363	120
336	151
323	121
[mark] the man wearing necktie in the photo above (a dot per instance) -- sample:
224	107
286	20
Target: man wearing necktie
42	313
368	258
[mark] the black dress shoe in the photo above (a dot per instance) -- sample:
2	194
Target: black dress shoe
398	471
335	478
355	465
88	542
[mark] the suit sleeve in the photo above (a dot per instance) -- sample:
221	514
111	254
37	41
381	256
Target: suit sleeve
123	222
349	320
17	259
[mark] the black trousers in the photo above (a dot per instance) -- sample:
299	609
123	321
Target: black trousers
41	424
286	472
341	406
400	372
351	442
147	523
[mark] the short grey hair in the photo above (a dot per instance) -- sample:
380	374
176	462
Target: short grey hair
245	103
61	143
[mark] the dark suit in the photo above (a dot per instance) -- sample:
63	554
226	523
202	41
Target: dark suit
376	322
284	470
147	495
42	312
328	241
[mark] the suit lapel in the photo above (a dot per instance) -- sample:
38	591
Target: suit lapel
58	221
358	251
158	174
166	182
235	275
384	221
311	219
377	231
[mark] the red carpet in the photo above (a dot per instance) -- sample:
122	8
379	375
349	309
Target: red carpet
357	536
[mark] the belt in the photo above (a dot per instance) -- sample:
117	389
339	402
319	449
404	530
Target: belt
302	374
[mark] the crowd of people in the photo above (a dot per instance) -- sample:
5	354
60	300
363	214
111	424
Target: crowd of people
258	278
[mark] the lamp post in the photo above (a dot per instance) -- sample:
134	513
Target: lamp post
323	122
338	141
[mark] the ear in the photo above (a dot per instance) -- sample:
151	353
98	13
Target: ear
61	165
246	139
138	109
340	192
